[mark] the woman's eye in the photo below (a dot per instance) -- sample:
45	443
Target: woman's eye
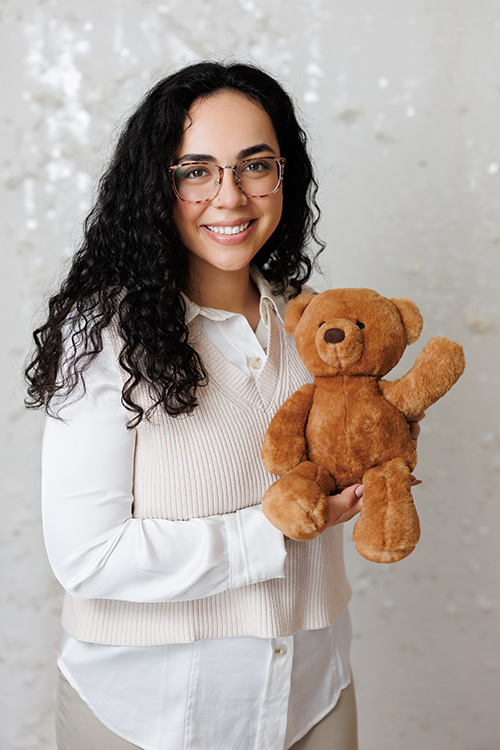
360	324
195	173
192	173
257	166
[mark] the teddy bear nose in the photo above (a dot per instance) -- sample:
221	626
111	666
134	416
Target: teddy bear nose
334	335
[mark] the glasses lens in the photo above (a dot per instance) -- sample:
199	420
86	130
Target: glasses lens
196	182
258	177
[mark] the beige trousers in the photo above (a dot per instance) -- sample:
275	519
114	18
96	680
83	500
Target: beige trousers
338	730
77	728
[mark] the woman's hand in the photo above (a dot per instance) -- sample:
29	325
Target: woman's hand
346	504
414	426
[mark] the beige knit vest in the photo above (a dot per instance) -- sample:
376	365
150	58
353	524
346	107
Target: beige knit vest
208	463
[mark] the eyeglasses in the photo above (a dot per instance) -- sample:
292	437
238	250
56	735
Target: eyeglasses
200	182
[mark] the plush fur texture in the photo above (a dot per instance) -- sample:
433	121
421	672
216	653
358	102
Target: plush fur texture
351	426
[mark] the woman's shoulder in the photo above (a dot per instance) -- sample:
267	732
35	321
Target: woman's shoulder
279	296
281	300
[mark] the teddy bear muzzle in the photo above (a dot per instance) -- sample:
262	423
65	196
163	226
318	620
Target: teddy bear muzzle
340	342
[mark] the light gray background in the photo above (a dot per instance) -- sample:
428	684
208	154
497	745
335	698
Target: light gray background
402	100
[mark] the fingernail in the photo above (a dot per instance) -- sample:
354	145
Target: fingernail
359	490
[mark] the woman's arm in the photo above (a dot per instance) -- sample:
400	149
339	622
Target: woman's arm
95	546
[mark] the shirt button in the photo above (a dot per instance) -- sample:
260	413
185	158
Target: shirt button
256	363
280	650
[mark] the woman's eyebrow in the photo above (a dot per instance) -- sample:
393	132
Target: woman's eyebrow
243	154
251	150
195	157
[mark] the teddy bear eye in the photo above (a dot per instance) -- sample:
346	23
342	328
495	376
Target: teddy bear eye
360	324
322	322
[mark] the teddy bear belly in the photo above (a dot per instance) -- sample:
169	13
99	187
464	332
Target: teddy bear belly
352	440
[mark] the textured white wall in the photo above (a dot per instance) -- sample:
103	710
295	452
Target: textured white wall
403	103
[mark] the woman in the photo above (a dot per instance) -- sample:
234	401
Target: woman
189	621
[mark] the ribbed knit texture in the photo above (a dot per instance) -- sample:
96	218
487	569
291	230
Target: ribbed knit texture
208	463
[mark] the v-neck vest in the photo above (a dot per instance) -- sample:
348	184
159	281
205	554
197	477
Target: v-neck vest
208	463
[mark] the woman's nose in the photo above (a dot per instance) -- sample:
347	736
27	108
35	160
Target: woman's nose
229	195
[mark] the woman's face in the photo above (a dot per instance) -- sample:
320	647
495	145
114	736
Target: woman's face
226	127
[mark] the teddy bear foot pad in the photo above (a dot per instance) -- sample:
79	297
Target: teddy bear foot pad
385	556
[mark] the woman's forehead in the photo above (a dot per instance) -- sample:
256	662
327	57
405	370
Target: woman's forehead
226	122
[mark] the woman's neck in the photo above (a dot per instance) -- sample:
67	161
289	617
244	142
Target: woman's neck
233	291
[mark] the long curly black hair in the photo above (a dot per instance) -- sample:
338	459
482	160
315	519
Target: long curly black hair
131	264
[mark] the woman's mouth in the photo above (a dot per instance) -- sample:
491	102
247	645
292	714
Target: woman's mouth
227	229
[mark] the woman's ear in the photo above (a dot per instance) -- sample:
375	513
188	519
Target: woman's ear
410	315
294	311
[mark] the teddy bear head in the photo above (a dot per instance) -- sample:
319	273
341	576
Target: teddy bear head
351	331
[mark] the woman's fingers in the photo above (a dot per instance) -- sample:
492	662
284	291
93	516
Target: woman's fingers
346	504
349	502
414	426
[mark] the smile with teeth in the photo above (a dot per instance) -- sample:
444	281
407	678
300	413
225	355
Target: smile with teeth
229	230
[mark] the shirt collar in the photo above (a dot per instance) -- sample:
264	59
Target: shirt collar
267	301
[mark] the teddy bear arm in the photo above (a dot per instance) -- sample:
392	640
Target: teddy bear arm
284	445
437	368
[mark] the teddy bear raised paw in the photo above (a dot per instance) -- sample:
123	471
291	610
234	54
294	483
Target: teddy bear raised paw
350	425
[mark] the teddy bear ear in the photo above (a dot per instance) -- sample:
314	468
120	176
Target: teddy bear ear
410	315
294	311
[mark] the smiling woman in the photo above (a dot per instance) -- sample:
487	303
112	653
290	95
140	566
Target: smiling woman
189	621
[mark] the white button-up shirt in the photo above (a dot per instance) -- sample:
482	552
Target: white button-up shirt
242	693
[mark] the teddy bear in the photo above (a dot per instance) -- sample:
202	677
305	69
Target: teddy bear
350	425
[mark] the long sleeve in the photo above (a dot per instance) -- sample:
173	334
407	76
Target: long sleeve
96	547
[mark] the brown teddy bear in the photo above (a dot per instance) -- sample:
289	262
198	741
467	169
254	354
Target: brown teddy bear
351	426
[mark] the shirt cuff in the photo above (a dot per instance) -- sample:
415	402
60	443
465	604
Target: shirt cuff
256	548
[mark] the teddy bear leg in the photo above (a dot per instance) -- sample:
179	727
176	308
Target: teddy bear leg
296	504
388	528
